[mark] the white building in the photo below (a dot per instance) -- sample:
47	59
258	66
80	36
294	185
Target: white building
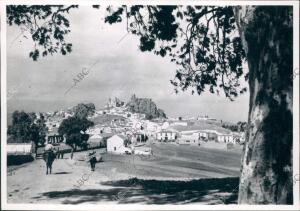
152	127
20	148
188	140
226	138
165	125
202	117
166	135
179	123
93	131
203	134
116	144
137	124
18	153
95	141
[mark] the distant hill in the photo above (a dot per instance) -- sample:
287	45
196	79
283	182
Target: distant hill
145	106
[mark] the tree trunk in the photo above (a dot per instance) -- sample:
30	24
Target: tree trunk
267	36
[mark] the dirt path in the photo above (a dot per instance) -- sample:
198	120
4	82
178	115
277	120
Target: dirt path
72	181
27	183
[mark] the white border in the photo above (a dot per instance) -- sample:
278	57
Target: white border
6	206
3	107
296	139
154	2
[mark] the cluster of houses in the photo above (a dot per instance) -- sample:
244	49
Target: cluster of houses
195	134
129	133
121	144
137	131
54	119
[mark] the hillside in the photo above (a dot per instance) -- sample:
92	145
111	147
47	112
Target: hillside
106	119
202	125
145	106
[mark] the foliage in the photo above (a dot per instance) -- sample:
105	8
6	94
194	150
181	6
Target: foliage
27	127
242	126
42	128
46	24
231	127
239	127
201	40
127	142
73	128
84	110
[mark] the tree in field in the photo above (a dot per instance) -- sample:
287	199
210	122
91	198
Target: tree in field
231	127
74	129
209	45
27	127
42	128
242	126
84	110
238	127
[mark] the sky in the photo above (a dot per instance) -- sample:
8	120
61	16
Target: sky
117	68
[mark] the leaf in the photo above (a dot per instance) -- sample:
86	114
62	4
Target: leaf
147	44
162	52
63	51
179	15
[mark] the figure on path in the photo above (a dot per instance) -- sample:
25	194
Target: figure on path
58	153
72	151
49	156
92	159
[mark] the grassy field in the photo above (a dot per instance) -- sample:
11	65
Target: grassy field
171	161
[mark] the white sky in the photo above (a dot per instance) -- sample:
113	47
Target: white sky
121	71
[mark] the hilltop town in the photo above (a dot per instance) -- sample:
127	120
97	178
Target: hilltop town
140	120
136	123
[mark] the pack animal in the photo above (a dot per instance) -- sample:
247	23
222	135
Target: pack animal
49	157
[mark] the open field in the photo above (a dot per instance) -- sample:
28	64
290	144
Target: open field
178	162
174	174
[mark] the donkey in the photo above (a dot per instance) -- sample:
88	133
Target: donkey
49	157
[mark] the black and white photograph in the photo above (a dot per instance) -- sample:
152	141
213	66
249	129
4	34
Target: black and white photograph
149	105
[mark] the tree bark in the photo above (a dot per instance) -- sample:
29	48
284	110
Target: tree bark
267	37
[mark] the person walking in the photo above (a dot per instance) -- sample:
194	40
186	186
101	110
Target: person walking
72	151
58	153
92	159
